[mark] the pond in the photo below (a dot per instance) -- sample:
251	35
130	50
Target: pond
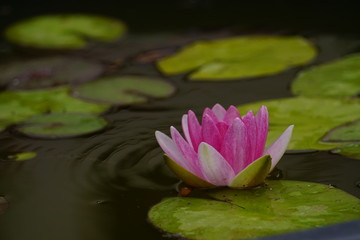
101	185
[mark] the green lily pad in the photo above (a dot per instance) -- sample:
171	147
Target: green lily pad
312	117
239	57
48	72
22	156
350	150
61	125
16	106
340	78
280	207
124	90
349	132
64	31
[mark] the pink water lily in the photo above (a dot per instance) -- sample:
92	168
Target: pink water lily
226	149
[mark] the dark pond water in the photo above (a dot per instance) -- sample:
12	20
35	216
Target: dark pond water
101	186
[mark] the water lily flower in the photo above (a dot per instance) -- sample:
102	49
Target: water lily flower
226	149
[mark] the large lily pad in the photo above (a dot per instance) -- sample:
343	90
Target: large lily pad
340	78
64	31
350	150
61	125
239	57
124	90
18	105
349	132
312	117
280	207
47	72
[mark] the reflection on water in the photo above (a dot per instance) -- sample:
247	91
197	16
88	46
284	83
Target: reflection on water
101	186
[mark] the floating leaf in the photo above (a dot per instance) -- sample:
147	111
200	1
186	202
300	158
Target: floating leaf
351	150
22	156
64	31
124	90
17	105
47	72
340	78
312	117
280	207
239	57
61	125
349	132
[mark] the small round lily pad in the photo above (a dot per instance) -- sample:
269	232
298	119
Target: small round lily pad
16	106
61	125
340	78
312	117
239	57
48	72
349	132
64	31
280	207
350	150
124	90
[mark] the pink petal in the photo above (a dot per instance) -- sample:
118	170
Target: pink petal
210	133
231	114
235	147
215	168
250	123
278	147
186	151
222	127
185	128
210	114
262	123
194	130
169	147
219	111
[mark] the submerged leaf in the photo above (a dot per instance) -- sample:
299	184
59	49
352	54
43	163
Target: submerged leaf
312	117
64	31
279	207
239	57
340	78
61	125
124	90
48	72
